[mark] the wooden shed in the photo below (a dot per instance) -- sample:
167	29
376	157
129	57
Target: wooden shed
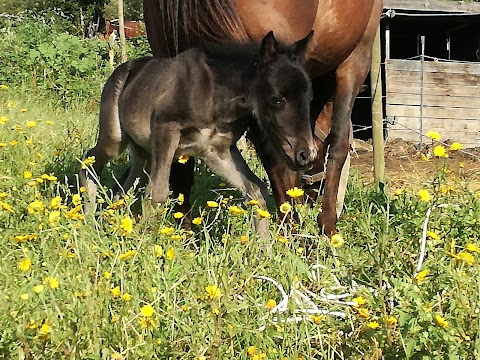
432	70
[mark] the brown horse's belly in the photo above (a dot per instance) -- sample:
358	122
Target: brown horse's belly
338	25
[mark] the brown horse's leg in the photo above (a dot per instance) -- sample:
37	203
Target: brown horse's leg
181	182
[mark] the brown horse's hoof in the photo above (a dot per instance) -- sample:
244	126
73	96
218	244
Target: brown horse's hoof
327	226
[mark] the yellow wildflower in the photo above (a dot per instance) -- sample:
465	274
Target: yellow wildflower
466	257
317	319
35	207
373	325
439	151
45	329
212	204
295	192
38	289
158	250
182	159
433	135
31	124
285	208
456	146
126	297
181	199
197	221
126	225
253	202
6	207
282	239
52	282
24	296
127	255
27	174
3	119
170	254
178	215
3	86
235	210
88	162
422	275
440	321
337	240
424	195
3	195
359	301
54	216
363	313
244	239
115	291
432	235
390	320
213	292
107	275
147	323
76	199
147	310
264	214
24	264
472	248
270	304
167	231
251	350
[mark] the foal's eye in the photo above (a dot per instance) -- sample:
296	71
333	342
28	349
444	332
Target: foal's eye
277	100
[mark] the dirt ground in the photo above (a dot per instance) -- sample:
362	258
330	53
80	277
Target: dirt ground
404	166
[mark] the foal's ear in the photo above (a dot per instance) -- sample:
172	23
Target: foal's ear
300	47
268	49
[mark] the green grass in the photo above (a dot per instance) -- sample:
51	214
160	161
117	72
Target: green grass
80	317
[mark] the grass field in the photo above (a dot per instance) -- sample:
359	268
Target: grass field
129	283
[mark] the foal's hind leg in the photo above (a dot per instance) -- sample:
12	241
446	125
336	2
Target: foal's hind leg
138	171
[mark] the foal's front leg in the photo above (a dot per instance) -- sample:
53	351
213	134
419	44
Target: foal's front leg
165	138
231	165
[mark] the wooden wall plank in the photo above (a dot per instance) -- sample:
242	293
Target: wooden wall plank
432	78
405	87
433	67
434	100
433	112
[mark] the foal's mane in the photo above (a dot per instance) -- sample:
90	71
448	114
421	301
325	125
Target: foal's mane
211	20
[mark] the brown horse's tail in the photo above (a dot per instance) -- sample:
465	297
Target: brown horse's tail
182	24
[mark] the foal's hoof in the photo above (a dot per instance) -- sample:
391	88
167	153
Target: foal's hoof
326	227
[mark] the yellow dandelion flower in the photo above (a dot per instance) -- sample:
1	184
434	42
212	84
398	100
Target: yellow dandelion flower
76	199
6	207
115	292
197	221
3	195
37	289
440	321
244	239
13	142
253	202
439	151
56	203
24	264
147	310
147	323
432	235
359	301
3	119
3	87
213	292
127	255
212	204
390	320
27	174
126	297
126	226
31	124
178	215
270	304
45	329
52	282
264	214
472	247
466	258
373	325
181	199
167	231
158	251
422	275
24	296
107	275
236	211
259	356
337	240
295	192
282	239
54	216
317	319
182	159
424	195
35	207
285	208
433	135
89	161
456	146
363	313
251	350
170	254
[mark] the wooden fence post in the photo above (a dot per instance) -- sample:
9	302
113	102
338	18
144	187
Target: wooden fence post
377	113
121	30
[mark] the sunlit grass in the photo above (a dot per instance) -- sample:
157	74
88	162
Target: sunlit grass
129	282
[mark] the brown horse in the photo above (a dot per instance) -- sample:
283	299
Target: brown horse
339	56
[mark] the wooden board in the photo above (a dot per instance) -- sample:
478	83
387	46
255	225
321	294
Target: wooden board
433	66
405	87
434	112
443	101
414	77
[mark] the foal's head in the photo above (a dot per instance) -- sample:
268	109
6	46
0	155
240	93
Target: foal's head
284	93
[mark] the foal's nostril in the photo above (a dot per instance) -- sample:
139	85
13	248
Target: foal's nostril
302	157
